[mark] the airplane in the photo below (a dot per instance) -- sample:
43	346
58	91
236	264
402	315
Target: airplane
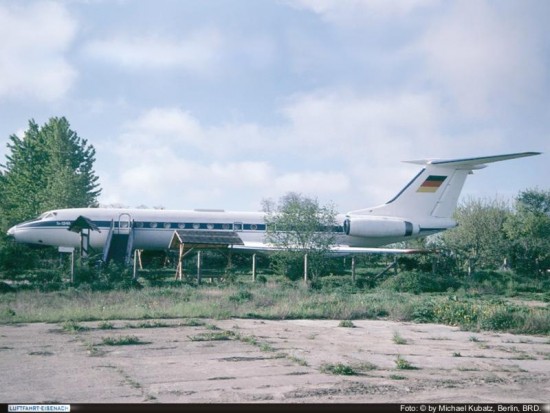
423	207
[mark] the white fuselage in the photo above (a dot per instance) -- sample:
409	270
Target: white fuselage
154	229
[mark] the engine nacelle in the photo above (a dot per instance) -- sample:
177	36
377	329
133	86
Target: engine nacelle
379	227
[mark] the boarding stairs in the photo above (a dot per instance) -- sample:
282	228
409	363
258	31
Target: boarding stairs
120	241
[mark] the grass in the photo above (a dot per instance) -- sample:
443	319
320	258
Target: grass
346	324
347	369
122	341
403	364
73	327
300	361
397	339
106	325
338	369
267	347
271	300
148	324
212	336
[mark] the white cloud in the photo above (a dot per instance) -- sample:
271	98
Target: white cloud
196	52
362	127
168	154
313	183
354	11
34	41
482	56
185	183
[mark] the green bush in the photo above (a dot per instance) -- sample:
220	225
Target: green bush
456	313
418	282
501	317
424	312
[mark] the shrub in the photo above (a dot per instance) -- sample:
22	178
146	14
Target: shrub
402	364
424	312
338	369
456	313
418	282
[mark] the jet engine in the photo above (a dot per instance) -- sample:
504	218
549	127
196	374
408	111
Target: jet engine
379	227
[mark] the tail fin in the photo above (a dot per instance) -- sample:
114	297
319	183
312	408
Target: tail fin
435	190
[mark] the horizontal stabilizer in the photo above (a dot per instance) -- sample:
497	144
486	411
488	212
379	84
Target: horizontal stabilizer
474	163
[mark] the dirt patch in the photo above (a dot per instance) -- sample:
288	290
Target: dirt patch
272	361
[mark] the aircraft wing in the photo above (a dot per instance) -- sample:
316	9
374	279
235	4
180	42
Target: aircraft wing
344	250
337	250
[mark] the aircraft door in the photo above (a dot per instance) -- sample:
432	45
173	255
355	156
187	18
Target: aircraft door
124	223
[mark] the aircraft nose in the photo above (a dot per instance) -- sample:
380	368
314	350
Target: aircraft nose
11	232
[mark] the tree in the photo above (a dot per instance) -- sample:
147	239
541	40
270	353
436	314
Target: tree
50	167
299	225
529	229
23	179
479	240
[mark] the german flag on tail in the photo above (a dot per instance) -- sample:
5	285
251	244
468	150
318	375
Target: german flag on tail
432	183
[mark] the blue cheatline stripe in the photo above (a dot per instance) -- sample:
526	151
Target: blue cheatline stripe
151	225
106	225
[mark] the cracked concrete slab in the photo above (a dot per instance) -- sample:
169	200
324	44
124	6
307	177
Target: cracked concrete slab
288	361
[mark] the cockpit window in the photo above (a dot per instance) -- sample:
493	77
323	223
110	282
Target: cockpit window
46	215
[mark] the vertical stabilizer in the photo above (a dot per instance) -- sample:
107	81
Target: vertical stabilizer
435	190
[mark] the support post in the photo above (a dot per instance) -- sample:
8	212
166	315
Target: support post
305	268
72	266
84	242
140	263
179	268
229	262
253	267
198	267
353	268
134	274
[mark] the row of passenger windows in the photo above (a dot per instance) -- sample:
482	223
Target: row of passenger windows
196	225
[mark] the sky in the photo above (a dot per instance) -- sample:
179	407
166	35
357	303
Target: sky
225	103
